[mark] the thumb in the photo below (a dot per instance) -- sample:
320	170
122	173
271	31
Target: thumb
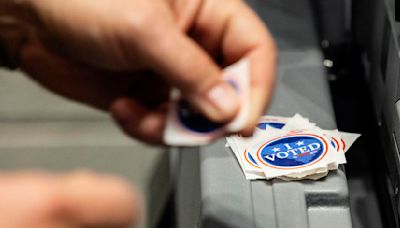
188	67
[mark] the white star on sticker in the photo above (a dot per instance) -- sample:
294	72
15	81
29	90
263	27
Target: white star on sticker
300	143
276	149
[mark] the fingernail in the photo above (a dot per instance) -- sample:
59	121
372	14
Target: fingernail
225	98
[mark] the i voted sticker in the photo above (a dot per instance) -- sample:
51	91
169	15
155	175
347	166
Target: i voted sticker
292	151
187	126
298	150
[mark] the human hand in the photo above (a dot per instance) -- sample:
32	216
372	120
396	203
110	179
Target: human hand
80	199
100	52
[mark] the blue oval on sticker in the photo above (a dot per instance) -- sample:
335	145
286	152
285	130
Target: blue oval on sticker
292	151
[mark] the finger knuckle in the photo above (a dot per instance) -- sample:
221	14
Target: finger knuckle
136	23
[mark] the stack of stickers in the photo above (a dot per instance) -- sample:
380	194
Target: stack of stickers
290	149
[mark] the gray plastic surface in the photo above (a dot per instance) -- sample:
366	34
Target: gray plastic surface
211	188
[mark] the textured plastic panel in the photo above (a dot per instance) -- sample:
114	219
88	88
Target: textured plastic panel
211	188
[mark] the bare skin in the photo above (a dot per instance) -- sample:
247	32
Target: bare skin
123	57
79	199
96	52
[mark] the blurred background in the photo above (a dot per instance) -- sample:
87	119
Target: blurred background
40	130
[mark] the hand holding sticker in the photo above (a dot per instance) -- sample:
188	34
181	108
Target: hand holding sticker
187	127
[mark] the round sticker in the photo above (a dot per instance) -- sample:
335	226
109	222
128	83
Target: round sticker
293	151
